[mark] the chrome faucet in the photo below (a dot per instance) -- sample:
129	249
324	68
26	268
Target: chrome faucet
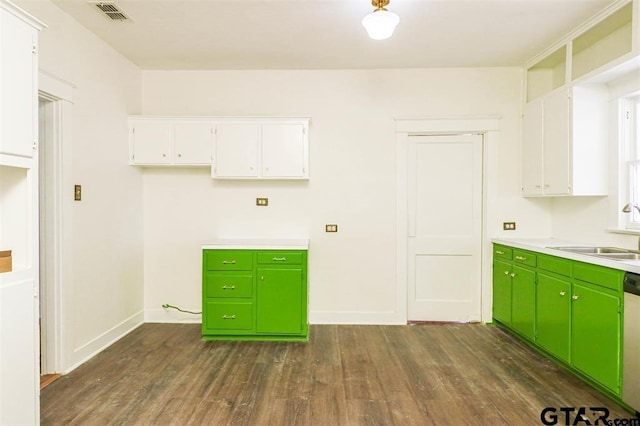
629	207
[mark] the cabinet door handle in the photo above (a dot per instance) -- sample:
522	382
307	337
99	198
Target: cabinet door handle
262	278
279	259
500	252
575	297
521	258
228	262
513	274
506	272
227	317
226	287
563	293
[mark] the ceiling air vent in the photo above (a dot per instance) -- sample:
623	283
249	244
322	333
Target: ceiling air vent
110	9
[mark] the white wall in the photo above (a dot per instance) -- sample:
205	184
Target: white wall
352	183
591	219
103	290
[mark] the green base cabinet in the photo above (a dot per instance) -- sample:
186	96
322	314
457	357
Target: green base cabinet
571	310
254	295
553	315
595	334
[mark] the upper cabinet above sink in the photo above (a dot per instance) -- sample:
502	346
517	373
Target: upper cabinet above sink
566	113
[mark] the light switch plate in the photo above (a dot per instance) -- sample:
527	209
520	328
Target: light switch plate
508	226
263	202
331	228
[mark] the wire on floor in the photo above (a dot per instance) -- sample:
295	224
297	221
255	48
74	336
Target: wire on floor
168	306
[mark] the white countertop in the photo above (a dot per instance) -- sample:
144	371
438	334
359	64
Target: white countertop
544	246
257	244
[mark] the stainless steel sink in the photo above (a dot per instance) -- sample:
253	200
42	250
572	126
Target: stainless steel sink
592	250
620	256
613	253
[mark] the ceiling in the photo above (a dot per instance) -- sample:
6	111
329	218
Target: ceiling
327	34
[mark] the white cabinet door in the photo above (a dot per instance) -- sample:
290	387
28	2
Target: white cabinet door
556	161
17	85
193	143
236	150
283	150
532	148
151	142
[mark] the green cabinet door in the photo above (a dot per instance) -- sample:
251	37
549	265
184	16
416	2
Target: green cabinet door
595	329
280	301
523	301
502	291
553	314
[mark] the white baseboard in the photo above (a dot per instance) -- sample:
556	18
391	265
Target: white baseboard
356	317
90	349
171	316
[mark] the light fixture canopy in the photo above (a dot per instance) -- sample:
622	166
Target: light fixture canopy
381	23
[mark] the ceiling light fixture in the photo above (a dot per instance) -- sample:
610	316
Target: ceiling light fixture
380	23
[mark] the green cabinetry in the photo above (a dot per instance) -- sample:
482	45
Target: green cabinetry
254	295
572	310
514	289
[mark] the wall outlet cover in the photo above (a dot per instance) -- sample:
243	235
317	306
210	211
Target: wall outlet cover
508	226
331	228
263	202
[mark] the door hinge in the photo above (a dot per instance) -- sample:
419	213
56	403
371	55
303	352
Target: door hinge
35	145
133	130
34	48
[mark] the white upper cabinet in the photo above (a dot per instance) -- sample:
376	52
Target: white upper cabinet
236	150
564	143
163	141
192	143
283	151
18	85
262	149
566	112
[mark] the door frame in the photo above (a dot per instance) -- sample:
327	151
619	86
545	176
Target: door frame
55	259
489	128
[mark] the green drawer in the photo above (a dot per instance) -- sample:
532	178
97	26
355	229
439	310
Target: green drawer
524	257
229	315
554	264
600	275
280	257
228	260
228	284
501	252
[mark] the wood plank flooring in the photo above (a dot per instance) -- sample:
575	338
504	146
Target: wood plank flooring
451	374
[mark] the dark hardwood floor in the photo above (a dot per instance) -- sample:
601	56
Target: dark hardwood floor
452	374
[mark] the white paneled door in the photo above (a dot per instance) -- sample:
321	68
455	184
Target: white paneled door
444	232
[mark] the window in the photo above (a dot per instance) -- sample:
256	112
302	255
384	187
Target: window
630	149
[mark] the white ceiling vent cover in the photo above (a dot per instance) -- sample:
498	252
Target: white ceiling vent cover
112	11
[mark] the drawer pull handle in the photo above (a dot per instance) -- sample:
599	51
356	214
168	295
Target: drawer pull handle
521	258
227	317
563	293
226	287
575	297
500	252
279	259
228	262
513	274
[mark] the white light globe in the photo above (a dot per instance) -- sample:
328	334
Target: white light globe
380	24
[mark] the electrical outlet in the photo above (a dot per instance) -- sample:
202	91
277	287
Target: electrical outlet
331	228
509	226
77	192
262	202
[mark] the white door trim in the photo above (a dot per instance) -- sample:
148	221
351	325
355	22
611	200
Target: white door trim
490	128
58	97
